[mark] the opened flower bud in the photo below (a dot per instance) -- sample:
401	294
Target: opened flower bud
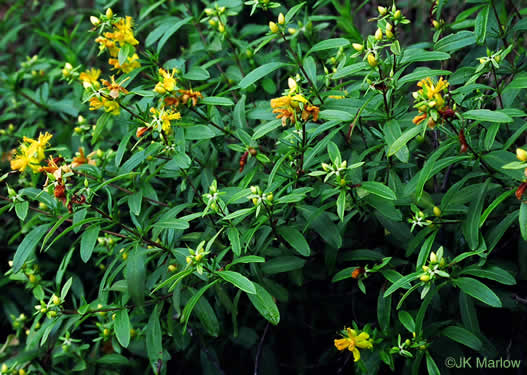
378	34
281	19
382	10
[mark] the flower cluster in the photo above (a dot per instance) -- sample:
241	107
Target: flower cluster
294	105
121	37
430	102
30	153
353	342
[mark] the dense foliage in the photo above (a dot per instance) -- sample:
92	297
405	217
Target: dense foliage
262	187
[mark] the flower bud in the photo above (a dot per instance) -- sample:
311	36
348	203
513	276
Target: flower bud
437	211
273	27
382	10
172	268
389	27
213	22
425	278
209	12
106	332
55	299
497	58
358	47
325	167
269	197
221	28
389	34
254	189
281	19
291	83
188	260
407	342
378	34
221	10
397	15
255	201
372	60
521	154
22	372
291	30
109	13
94	20
433	258
436	24
482	60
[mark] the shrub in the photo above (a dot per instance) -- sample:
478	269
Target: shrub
279	183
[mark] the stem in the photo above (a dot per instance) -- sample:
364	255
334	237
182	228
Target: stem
500	100
225	131
300	170
259	350
384	93
299	63
129	230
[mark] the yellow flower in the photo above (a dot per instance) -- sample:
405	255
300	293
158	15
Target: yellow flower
123	32
105	43
353	342
110	106
163	117
130	64
31	153
168	82
90	78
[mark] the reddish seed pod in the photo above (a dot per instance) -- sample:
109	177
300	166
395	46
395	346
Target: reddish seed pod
521	190
60	191
447	112
243	160
463	141
253	151
357	272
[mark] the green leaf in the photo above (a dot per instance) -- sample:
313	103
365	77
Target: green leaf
378	189
268	127
21	209
259	73
170	31
296	239
341	204
264	303
471	224
238	280
478	290
419	74
198	132
487	115
178	224
468	312
293	11
412	55
480	27
406	320
185	315
402	281
329	44
523	220
154	337
284	263
135	275
122	327
246	259
88	240
66	288
197	73
234	238
491	272
28	245
431	366
125	51
350	70
206	315
404	139
384	307
334	114
103	122
454	42
217	100
134	202
518	83
463	336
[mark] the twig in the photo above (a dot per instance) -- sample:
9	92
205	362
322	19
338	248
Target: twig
259	350
299	63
